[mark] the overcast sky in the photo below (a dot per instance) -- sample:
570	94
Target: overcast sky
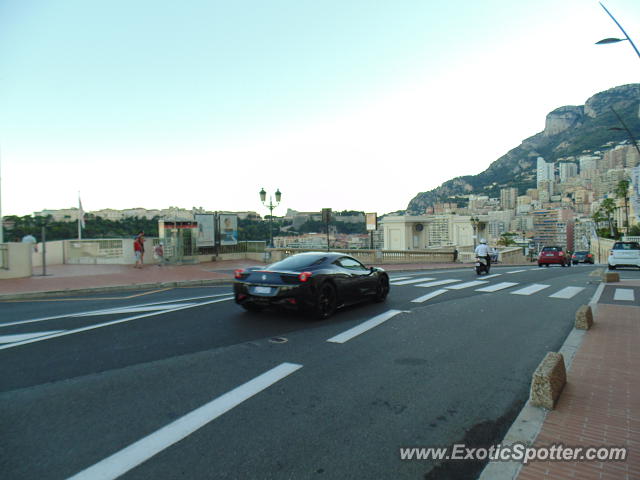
347	104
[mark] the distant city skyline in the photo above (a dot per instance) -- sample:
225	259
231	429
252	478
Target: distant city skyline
343	105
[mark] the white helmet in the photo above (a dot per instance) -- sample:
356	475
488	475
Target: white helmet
483	240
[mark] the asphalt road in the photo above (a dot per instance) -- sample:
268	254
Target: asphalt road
182	383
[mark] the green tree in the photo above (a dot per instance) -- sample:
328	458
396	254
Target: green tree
622	192
607	207
506	239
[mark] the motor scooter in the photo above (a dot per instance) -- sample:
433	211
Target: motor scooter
482	266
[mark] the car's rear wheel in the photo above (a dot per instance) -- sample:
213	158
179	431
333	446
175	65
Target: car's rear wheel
539	265
382	289
546	265
612	267
326	301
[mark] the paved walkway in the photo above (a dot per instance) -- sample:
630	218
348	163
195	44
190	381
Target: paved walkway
600	404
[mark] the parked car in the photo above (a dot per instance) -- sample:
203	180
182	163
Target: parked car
314	282
552	256
582	257
624	254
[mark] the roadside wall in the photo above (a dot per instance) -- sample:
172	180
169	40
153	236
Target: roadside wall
16	260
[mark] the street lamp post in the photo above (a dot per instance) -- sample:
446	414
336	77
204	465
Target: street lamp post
270	206
475	221
616	40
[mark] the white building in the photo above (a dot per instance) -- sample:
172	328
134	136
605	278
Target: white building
544	172
423	231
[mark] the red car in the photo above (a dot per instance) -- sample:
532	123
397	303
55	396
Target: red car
552	256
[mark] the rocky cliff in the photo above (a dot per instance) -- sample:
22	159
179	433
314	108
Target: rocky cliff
569	131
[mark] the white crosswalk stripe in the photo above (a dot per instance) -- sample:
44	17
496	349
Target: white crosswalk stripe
413	280
496	287
492	276
460	286
624	294
437	282
567	292
531	289
517	271
428	296
395	279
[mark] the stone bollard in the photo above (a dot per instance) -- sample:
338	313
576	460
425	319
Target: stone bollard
548	381
609	277
584	318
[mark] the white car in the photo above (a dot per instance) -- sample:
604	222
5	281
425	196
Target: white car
624	254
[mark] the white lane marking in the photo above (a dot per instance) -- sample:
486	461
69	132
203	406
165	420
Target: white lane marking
67	315
460	286
19	337
413	280
429	296
567	292
531	289
394	279
492	276
134	309
438	282
130	457
107	324
516	271
363	327
624	294
496	287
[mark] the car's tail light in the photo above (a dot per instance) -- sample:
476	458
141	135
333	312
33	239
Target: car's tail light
589	255
238	273
610	252
573	256
304	276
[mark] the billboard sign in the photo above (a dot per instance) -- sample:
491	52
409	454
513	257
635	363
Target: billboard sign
206	236
371	220
228	229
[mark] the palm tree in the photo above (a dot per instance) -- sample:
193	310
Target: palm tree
622	191
506	239
608	206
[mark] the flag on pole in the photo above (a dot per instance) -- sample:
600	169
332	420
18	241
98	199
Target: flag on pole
80	213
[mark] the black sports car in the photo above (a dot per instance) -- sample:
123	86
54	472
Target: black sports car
318	282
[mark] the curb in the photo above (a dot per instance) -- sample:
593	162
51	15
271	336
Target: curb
528	423
115	288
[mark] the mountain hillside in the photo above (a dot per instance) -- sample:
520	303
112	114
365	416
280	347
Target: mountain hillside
569	131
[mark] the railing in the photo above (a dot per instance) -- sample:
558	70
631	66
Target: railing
376	257
4	256
244	247
506	255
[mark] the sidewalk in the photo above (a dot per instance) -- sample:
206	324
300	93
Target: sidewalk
600	404
68	279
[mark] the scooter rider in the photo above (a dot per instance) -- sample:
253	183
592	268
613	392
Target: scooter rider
483	251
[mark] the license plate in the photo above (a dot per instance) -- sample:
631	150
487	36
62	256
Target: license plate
549	254
262	290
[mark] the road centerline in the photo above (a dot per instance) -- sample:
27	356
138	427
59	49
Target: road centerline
363	327
107	324
130	457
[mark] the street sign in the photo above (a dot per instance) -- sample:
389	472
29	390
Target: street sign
326	215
